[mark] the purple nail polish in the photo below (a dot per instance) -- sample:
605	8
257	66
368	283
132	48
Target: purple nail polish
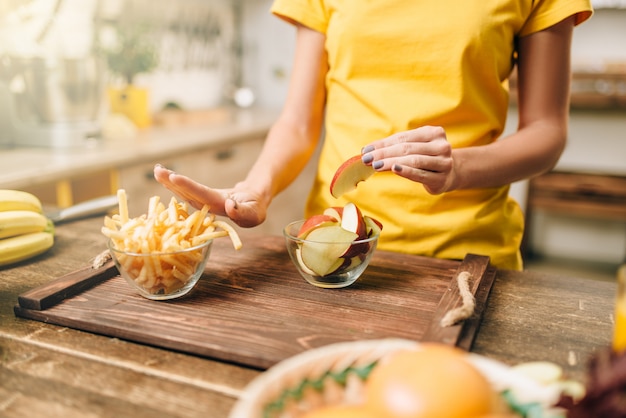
367	158
367	149
377	165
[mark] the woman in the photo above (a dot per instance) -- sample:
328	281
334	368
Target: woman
420	89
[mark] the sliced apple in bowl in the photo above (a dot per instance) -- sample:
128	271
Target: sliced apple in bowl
333	249
352	220
373	226
334	211
315	222
350	173
324	247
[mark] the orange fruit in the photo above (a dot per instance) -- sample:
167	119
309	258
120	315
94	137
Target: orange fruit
342	411
432	381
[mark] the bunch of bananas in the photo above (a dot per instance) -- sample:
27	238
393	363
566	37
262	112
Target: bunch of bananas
24	230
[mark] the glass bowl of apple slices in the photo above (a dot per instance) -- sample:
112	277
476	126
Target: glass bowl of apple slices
333	249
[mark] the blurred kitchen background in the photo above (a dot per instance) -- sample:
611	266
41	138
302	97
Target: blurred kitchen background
73	71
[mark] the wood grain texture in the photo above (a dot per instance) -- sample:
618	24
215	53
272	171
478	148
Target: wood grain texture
462	334
252	308
52	371
67	286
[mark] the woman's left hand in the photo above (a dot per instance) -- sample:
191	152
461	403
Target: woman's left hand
422	155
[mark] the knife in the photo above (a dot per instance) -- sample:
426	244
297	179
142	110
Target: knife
97	206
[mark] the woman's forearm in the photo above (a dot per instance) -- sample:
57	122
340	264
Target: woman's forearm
285	153
293	138
527	153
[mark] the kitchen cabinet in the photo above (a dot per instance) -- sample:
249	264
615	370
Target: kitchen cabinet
579	195
216	166
217	150
75	189
599	196
577	211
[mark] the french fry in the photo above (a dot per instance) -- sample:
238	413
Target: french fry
164	229
123	205
234	237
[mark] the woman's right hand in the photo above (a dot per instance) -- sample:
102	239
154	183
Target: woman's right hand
242	205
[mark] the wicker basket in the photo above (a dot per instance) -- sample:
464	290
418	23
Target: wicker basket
335	374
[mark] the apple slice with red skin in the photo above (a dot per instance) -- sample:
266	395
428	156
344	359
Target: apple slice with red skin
323	248
348	175
314	222
302	265
352	220
334	211
349	263
373	226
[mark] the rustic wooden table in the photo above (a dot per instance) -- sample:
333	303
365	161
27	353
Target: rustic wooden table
53	371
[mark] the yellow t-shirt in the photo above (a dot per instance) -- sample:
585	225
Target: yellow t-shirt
397	65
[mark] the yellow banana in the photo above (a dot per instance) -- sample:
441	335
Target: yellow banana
19	222
19	200
22	247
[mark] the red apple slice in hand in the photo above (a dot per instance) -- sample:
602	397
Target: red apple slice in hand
322	251
348	175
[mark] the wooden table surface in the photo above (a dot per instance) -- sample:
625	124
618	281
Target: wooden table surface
52	371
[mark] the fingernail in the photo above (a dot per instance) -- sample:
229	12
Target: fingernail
367	149
230	197
377	165
367	158
397	168
159	166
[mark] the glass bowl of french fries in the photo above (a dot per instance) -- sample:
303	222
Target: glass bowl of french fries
162	254
162	275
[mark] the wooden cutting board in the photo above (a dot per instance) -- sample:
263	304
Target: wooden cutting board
251	306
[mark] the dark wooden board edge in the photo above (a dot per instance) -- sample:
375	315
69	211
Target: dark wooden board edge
470	327
137	336
463	333
67	286
33	303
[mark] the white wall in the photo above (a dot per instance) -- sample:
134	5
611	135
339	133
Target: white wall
600	40
268	46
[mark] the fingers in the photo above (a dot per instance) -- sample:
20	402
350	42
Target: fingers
422	155
241	206
161	174
424	135
192	192
434	182
427	140
424	148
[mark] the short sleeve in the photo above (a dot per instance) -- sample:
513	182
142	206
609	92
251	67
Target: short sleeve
547	13
310	13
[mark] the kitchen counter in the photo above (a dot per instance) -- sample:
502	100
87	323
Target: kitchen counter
26	167
53	371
